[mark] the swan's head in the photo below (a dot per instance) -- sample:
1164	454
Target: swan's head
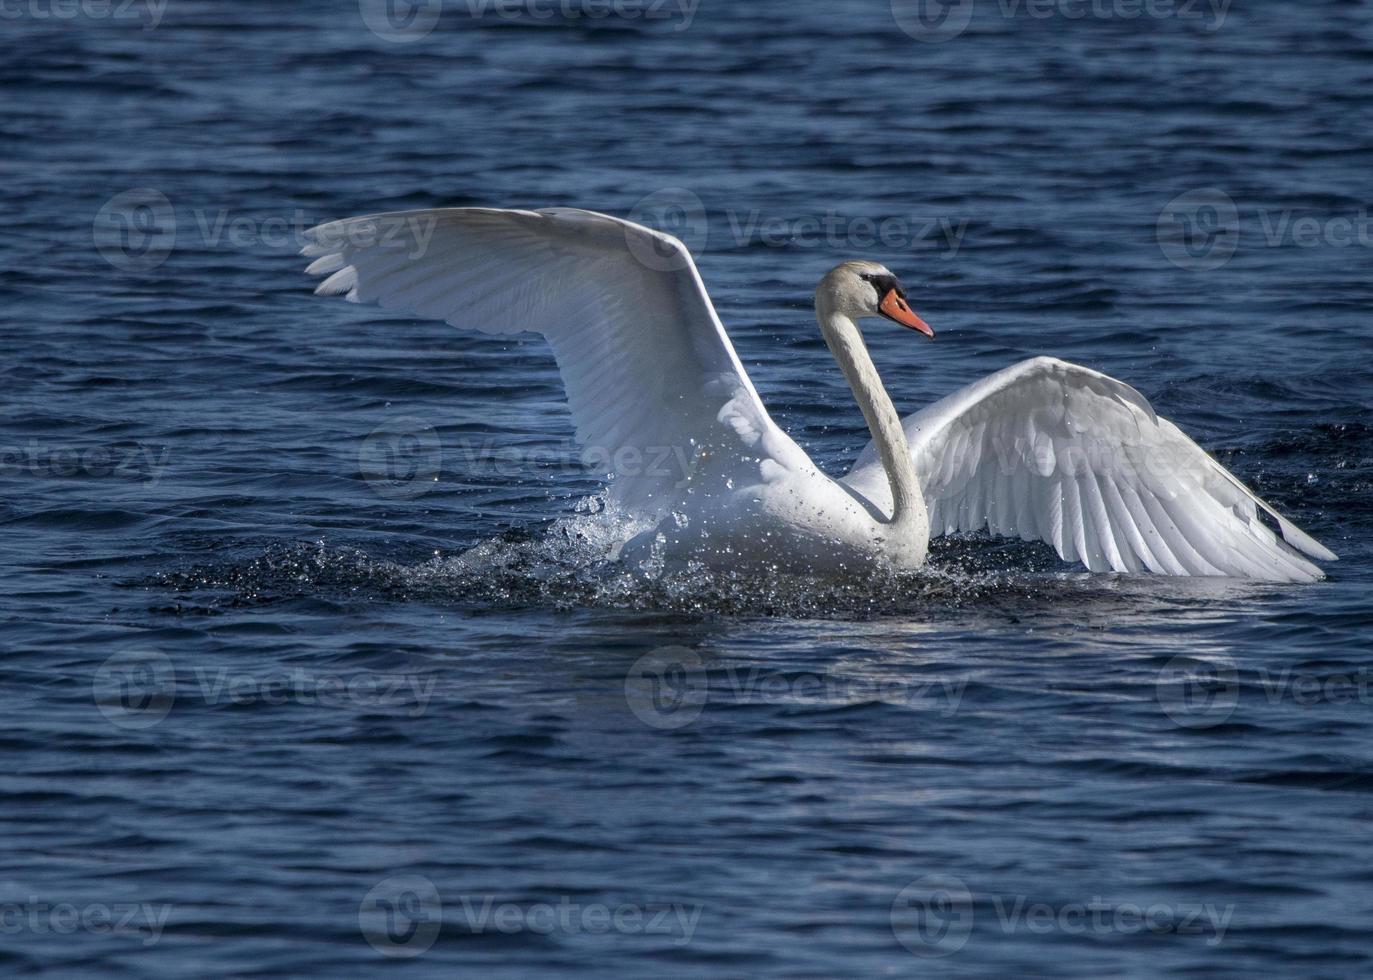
866	289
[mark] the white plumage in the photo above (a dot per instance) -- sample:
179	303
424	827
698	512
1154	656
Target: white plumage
1049	451
1043	450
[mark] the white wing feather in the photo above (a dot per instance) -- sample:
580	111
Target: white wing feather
1050	451
645	361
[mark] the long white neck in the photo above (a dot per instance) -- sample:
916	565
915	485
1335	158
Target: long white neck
909	521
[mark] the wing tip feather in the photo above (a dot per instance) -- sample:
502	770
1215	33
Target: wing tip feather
327	263
1303	542
341	283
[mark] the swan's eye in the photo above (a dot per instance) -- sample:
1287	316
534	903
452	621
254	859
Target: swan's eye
883	284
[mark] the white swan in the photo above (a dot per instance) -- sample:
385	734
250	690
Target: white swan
1042	450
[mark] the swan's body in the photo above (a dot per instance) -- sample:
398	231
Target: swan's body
1043	450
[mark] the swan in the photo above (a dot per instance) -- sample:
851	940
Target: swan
1043	450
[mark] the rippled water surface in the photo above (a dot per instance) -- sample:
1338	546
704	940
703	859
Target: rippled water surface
272	714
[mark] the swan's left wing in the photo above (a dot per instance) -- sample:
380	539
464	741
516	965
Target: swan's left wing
1046	450
652	380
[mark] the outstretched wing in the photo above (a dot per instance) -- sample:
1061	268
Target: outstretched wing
1050	451
650	375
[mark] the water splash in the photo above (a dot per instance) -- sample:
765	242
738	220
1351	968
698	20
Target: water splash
568	564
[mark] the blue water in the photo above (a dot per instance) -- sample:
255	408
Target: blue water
269	715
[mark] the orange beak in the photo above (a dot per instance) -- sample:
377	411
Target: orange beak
894	308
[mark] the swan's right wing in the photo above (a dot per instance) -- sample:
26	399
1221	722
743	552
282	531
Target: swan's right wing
1051	451
651	377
